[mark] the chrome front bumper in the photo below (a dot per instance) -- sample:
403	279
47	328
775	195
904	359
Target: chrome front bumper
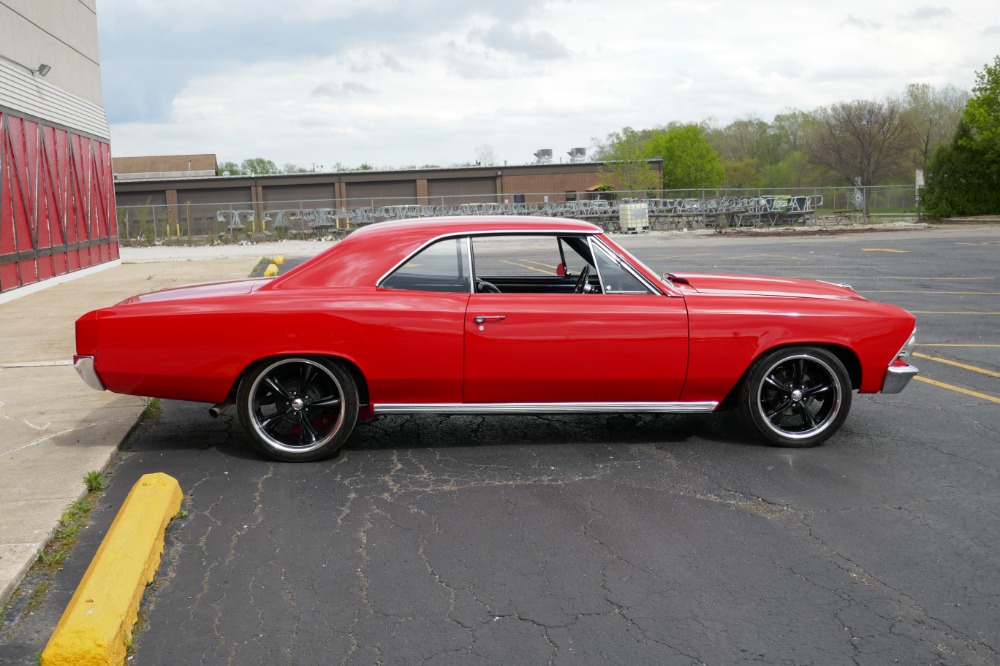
897	377
85	368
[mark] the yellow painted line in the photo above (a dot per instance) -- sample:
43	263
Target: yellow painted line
935	312
541	263
964	366
758	267
959	389
898	277
96	627
883	249
930	291
530	268
953	344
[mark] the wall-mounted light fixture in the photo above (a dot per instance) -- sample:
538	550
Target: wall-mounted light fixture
43	69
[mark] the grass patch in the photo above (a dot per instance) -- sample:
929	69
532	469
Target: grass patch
151	408
94	481
261	266
37	595
52	556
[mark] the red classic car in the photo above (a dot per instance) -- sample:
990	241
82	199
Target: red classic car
487	315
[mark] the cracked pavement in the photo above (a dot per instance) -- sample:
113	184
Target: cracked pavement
575	540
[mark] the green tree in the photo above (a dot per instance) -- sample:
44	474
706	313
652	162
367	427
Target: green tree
746	138
231	168
625	167
982	112
689	161
964	177
744	173
258	166
961	179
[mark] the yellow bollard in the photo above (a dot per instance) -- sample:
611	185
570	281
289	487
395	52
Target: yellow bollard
271	270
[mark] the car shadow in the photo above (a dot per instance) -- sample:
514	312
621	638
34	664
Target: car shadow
187	427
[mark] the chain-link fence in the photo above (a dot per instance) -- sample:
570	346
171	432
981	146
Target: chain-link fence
668	209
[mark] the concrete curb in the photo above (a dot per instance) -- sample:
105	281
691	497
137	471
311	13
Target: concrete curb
96	627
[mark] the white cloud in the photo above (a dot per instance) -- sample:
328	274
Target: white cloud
396	83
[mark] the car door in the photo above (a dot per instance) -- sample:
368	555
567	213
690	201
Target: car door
614	346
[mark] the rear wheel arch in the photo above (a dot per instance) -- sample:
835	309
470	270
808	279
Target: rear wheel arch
300	407
349	366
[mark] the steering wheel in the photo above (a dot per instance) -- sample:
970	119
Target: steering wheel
581	282
484	287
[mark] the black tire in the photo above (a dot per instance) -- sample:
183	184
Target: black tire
297	409
797	396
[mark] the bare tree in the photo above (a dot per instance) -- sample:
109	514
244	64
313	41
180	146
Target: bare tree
935	114
864	141
485	156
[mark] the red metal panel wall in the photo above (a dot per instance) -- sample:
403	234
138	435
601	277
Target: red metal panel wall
57	202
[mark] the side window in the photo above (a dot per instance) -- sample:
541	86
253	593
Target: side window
512	256
614	278
443	266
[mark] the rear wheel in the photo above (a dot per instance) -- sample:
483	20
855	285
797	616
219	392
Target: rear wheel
297	409
798	396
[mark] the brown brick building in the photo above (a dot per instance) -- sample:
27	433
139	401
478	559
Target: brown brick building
180	190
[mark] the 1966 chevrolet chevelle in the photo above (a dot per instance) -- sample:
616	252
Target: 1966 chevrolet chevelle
488	315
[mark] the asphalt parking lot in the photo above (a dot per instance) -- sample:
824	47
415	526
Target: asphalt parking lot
623	539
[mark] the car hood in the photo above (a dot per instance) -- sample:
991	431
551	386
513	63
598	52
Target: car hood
207	290
757	285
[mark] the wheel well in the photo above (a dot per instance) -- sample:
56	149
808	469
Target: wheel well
351	368
845	355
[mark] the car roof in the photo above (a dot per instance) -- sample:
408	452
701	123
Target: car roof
433	227
370	252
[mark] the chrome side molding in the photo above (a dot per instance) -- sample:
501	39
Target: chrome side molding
547	408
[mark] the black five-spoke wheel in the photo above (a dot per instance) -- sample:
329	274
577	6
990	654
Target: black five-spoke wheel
298	408
796	396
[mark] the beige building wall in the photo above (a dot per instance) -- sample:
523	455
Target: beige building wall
59	33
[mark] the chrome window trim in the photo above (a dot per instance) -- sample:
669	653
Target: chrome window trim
472	263
622	263
546	408
547	231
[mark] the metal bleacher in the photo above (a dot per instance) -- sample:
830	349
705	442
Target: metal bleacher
721	211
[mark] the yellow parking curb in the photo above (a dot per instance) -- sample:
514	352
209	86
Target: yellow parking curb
96	627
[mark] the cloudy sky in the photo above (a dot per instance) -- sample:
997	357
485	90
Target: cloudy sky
397	83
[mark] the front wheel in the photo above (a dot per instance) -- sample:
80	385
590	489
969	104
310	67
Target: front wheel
297	409
797	396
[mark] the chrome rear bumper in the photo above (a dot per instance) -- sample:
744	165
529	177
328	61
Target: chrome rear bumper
85	368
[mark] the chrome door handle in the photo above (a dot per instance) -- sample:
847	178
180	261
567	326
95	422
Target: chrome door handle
482	319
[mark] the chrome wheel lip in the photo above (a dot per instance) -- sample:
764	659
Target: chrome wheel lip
797	396
298	404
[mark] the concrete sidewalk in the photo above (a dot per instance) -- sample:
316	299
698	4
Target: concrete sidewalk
53	427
